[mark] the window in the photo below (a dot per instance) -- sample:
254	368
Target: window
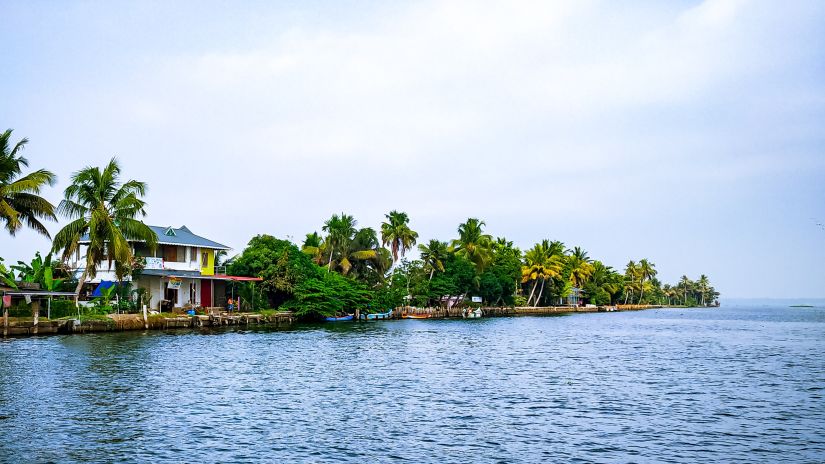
193	254
205	259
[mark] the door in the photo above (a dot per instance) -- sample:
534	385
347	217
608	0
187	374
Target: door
206	293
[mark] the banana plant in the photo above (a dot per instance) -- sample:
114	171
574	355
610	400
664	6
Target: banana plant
6	276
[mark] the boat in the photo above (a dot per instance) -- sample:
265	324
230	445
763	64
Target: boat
374	316
418	316
348	317
474	314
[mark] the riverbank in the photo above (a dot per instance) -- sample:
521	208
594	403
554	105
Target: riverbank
27	326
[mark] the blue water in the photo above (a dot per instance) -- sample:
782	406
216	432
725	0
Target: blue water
733	384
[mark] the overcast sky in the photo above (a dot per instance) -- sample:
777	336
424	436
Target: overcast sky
691	133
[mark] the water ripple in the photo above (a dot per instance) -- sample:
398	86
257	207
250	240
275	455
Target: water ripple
681	386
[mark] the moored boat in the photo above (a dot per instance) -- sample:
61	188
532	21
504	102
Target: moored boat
374	316
348	317
473	314
417	316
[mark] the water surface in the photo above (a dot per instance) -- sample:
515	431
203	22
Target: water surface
671	385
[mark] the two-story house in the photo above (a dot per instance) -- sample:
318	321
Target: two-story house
181	269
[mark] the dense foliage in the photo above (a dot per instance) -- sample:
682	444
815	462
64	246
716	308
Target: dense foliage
343	269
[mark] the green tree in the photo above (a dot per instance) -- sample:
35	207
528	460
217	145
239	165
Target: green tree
20	200
685	284
314	246
473	244
433	254
646	270
580	267
340	230
703	283
104	212
541	263
396	233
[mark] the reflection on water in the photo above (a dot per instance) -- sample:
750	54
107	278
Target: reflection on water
675	385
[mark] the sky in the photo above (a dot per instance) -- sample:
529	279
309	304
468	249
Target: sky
691	133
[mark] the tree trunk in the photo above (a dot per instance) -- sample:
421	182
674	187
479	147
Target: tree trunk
531	292
641	289
431	274
80	283
35	315
538	298
329	263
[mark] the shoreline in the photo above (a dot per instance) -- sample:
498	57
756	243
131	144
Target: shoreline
18	327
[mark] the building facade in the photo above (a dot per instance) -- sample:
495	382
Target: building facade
179	272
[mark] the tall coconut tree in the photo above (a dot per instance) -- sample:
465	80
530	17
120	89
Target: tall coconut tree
580	267
434	254
630	273
684	284
20	200
396	233
473	244
105	212
542	262
646	271
314	247
703	283
340	230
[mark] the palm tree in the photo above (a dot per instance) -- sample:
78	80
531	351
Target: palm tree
646	270
397	234
473	244
630	273
684	282
580	267
340	230
362	249
433	254
20	200
543	261
606	278
703	284
314	246
104	212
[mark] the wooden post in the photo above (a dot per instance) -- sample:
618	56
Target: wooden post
145	319
5	321
36	315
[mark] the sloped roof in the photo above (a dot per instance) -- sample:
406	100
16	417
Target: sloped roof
180	236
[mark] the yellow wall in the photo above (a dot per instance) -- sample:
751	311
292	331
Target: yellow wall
209	269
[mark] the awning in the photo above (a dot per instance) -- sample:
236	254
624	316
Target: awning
238	278
36	293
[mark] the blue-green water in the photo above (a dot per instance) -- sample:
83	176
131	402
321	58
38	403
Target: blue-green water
734	384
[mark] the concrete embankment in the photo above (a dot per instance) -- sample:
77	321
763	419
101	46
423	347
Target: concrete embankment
444	313
120	322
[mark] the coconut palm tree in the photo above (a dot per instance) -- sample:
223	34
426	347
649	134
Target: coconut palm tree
396	233
580	267
473	244
104	212
314	246
630	271
684	283
340	230
606	278
433	254
646	270
542	262
703	283
20	200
